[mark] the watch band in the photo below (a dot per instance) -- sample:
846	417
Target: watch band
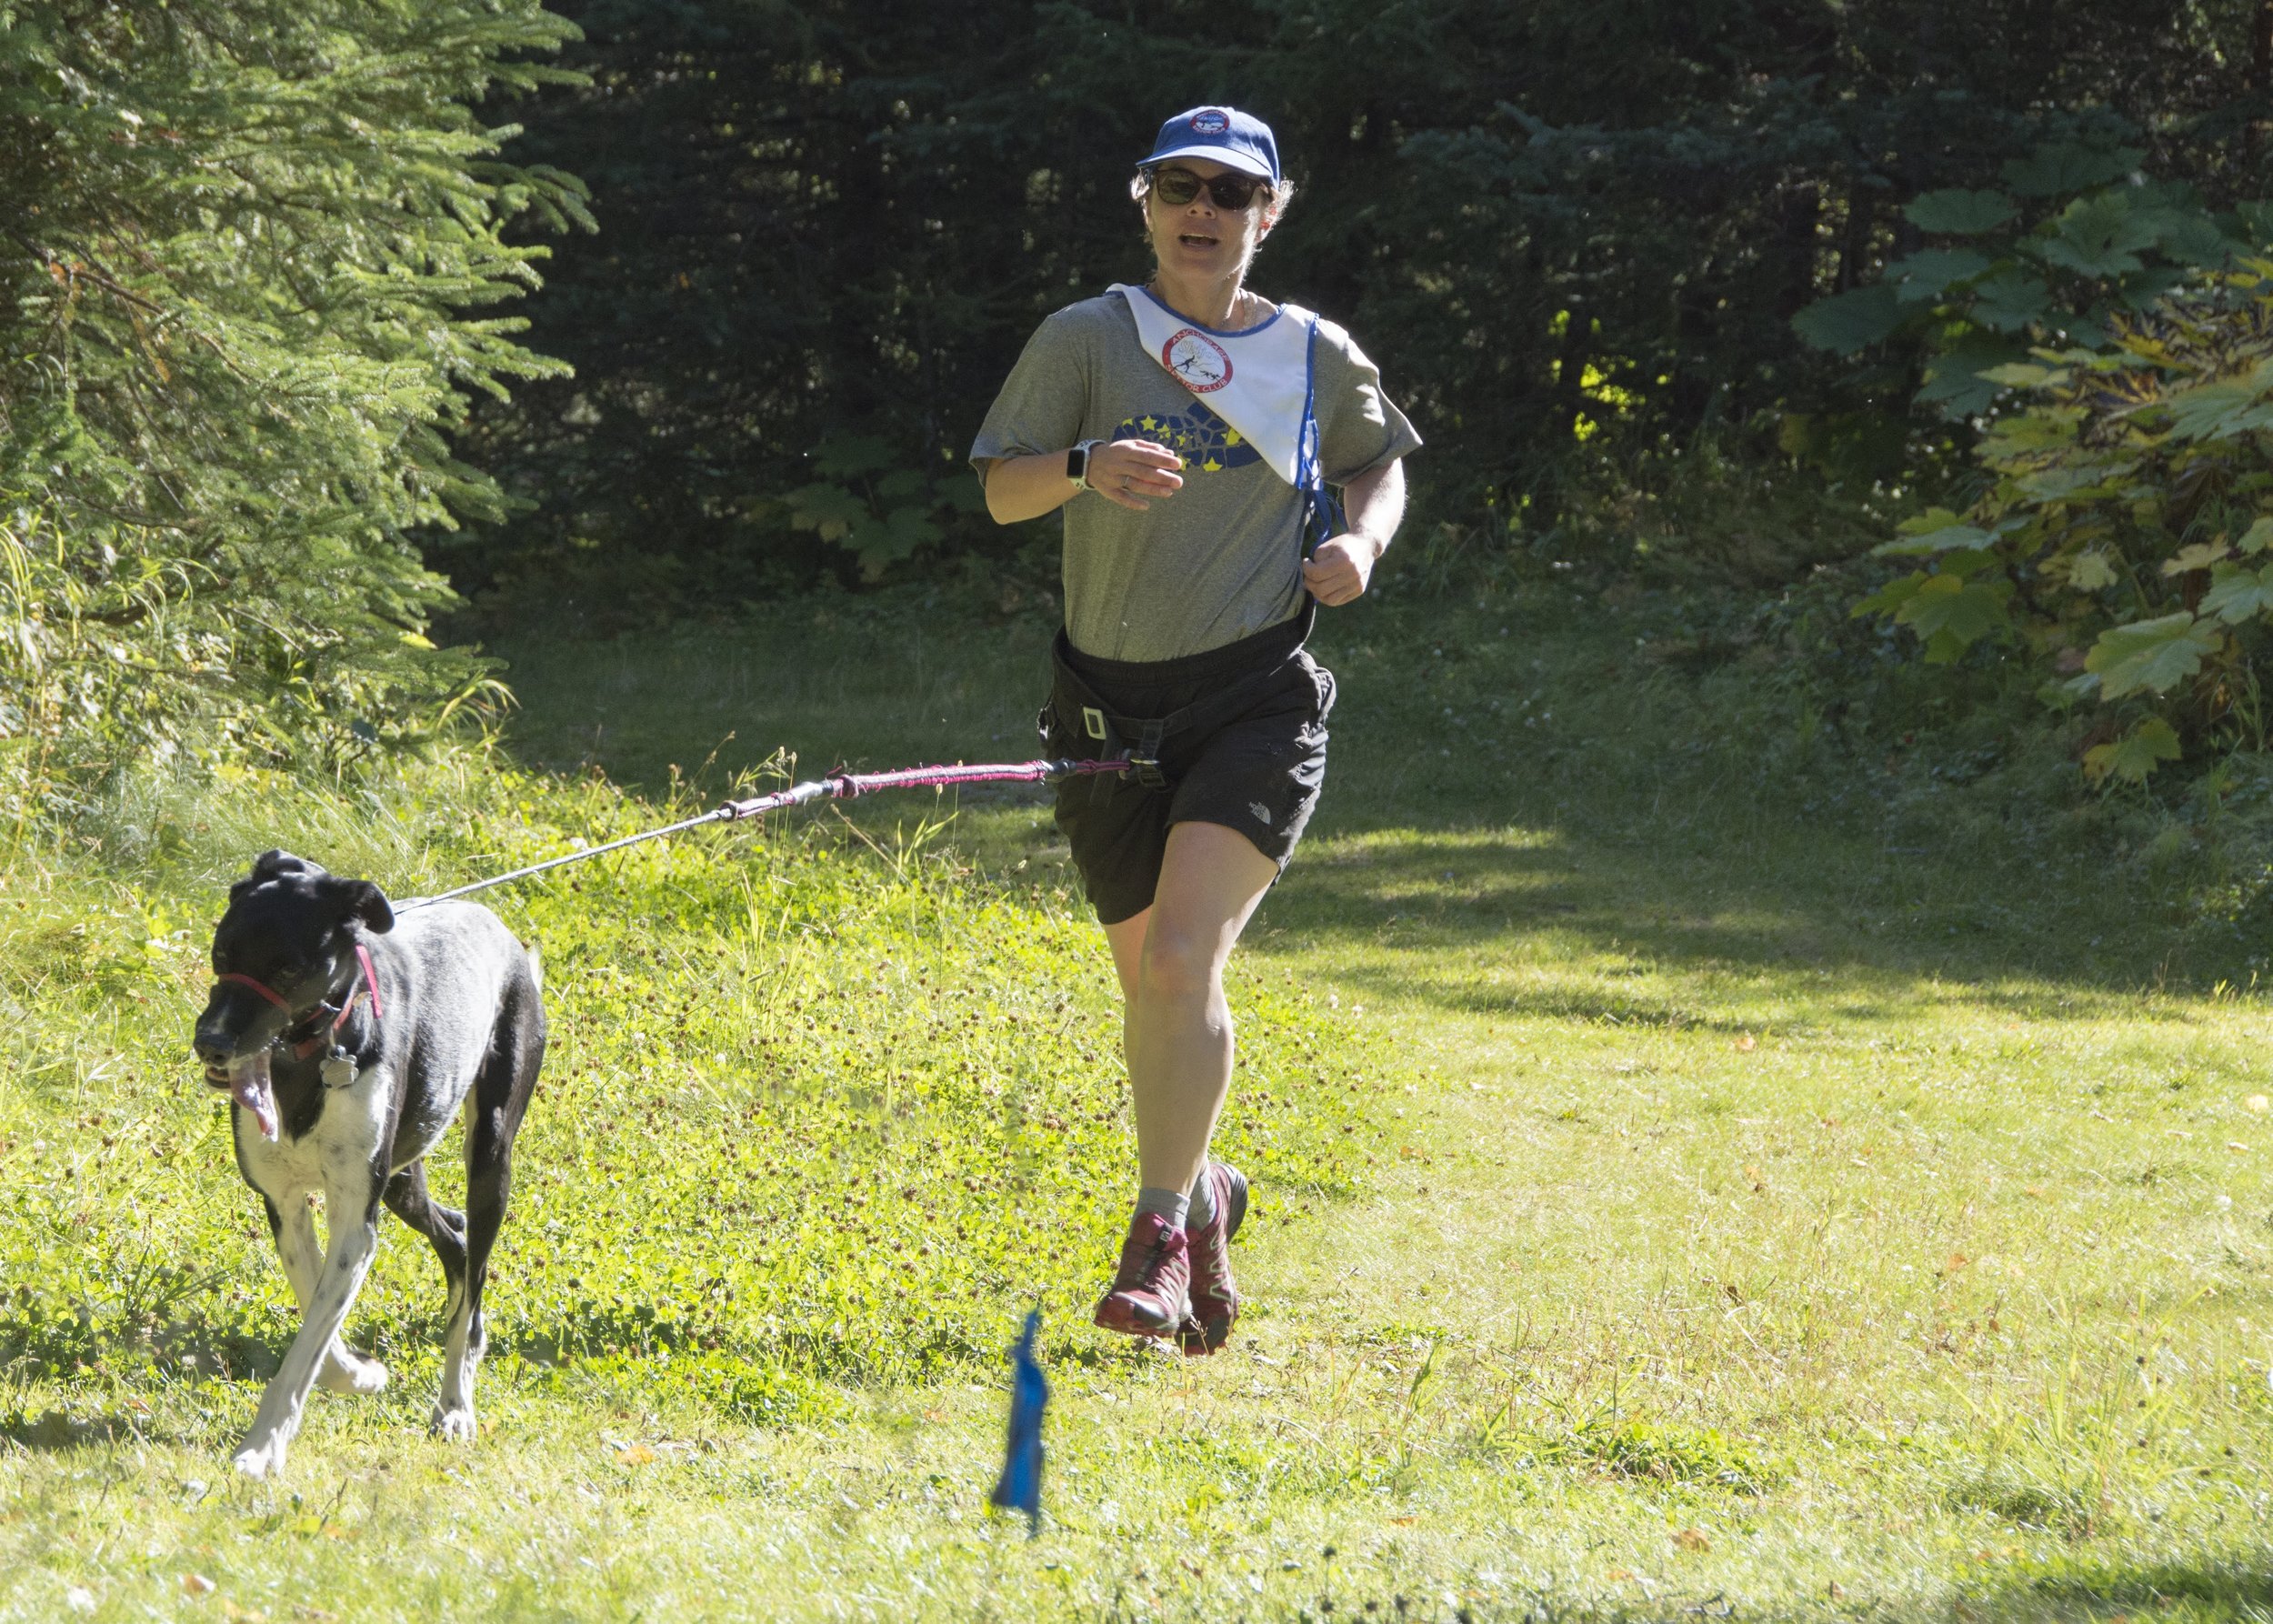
1077	463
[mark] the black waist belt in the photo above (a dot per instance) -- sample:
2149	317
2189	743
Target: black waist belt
1139	738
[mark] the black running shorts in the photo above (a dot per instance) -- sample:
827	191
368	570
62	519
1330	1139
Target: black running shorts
1243	746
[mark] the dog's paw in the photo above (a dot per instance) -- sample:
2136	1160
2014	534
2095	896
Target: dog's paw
258	1460
347	1372
456	1424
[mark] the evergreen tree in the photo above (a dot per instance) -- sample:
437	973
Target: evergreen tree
249	251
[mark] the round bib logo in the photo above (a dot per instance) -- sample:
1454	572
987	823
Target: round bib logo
1199	363
1210	121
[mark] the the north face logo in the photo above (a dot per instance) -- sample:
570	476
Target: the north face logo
1262	813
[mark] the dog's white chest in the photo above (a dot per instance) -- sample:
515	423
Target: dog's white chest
341	1147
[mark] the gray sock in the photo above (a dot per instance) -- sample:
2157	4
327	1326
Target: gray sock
1202	1212
1169	1204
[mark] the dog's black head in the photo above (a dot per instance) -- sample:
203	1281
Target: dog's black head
292	929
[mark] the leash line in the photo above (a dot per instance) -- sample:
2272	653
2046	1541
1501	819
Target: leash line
836	787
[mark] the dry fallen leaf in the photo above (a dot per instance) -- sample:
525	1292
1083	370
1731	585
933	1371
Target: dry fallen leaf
636	1455
1955	1261
1693	1541
1621	1576
1405	1522
196	1584
1837	1591
1747	1043
2032	1190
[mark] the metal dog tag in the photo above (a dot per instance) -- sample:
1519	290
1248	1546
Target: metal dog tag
338	1069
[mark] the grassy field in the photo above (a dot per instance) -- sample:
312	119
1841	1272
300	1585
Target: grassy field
1704	1170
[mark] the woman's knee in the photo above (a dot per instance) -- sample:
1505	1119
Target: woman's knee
1180	963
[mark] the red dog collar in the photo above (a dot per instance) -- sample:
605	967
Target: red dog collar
366	975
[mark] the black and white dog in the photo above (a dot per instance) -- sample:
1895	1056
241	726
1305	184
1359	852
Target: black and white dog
348	1042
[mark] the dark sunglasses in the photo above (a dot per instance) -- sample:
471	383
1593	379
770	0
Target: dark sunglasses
1231	190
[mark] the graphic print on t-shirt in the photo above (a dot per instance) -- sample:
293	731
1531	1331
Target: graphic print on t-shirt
1205	441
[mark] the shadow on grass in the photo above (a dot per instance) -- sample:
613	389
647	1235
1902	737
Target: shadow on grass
1515	924
2241	1588
1618	841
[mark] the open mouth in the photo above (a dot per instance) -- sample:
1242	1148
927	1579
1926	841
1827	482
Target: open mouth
1195	239
245	1077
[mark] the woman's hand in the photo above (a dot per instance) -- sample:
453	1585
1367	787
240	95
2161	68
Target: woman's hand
1339	570
1134	474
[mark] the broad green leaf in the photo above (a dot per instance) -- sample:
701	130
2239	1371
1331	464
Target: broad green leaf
830	510
2010	301
1953	378
2097	236
2069	167
2089	572
1950	615
2229	407
2020	435
2025	375
2259	536
1928	275
1946	539
2199	555
2237	594
1958	212
1849	322
2059	484
2150	655
2135	755
2190	237
1890	596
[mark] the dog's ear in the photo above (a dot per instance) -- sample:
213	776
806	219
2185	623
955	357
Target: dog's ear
360	899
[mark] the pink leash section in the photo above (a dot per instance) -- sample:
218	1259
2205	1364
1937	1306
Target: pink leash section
836	787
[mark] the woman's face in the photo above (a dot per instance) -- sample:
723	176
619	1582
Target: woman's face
1199	238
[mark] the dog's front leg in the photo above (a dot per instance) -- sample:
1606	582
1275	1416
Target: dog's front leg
353	1214
344	1370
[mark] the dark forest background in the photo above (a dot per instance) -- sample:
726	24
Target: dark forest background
1573	233
338	335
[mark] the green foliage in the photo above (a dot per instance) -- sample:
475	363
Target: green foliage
2121	545
242	245
2100	243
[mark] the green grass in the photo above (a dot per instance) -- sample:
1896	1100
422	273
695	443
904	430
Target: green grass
1775	1184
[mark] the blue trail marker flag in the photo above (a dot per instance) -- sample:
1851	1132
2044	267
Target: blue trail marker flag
1020	1486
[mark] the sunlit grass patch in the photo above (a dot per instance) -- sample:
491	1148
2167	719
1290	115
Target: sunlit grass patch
813	1112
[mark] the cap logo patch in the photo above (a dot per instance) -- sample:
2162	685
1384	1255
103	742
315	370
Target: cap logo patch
1210	121
1199	362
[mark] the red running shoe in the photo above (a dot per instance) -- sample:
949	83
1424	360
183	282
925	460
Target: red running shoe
1214	1300
1151	1289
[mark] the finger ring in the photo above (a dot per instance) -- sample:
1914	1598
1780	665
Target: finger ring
1123	482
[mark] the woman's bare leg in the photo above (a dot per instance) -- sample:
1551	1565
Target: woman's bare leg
1177	1028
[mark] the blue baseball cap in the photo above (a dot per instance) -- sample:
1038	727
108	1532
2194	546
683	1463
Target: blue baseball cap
1237	140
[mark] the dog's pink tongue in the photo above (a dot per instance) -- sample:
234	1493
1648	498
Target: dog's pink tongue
249	1086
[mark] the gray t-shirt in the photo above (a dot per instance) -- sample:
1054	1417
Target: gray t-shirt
1219	561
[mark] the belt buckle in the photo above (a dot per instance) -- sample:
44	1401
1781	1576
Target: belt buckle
1093	722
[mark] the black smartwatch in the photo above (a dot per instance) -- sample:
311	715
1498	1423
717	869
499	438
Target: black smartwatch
1077	463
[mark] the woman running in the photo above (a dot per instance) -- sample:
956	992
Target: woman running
1195	434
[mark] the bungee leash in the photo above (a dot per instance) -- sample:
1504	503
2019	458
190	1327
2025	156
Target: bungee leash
836	787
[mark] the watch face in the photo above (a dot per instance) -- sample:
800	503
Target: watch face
1077	463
